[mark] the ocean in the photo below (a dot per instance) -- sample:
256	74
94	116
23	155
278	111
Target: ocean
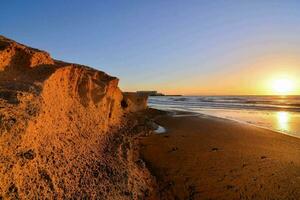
278	113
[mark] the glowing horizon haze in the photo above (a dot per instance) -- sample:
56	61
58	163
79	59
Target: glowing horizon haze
193	47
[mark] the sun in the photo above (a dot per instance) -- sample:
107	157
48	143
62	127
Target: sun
283	86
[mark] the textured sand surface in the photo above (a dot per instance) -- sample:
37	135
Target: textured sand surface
211	158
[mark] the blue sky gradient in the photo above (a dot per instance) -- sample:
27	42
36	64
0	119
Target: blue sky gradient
172	46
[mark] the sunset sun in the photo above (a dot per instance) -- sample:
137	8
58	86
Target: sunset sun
283	86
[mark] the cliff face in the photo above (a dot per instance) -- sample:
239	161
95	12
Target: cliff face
58	126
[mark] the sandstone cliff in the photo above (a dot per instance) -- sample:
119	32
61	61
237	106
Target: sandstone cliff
65	130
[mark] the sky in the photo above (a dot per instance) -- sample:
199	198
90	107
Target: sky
191	47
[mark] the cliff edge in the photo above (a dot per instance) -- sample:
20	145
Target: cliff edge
65	130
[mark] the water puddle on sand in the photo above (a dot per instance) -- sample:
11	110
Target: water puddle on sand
160	130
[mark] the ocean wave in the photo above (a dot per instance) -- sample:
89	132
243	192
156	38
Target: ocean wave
236	102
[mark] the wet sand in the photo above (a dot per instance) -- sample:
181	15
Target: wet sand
213	158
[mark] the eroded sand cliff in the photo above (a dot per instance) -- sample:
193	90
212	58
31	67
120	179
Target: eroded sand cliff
65	130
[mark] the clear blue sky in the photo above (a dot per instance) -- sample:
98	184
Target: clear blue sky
173	46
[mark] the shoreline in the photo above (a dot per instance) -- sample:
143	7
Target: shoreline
191	113
218	158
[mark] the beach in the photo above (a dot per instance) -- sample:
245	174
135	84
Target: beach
204	157
150	100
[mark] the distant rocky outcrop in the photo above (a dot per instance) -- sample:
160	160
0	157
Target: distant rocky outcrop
150	93
63	130
134	102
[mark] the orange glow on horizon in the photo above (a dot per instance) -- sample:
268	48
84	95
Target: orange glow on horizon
265	76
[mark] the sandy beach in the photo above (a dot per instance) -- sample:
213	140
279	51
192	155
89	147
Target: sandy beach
202	157
150	100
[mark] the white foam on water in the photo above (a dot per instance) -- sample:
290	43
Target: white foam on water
160	130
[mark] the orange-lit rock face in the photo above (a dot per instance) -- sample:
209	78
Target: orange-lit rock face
14	56
134	102
55	123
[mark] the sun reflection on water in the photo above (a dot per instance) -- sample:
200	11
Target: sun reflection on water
283	119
